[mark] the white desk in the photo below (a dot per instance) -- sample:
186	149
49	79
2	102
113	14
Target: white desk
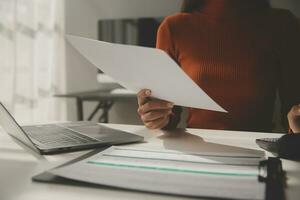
17	166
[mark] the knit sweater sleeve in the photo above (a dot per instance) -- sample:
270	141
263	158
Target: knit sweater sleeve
165	42
289	58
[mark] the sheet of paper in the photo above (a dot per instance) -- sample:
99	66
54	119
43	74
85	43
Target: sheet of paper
138	68
170	172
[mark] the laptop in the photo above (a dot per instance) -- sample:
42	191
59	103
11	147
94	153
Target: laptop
64	137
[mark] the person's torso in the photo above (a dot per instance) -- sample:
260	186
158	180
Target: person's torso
234	62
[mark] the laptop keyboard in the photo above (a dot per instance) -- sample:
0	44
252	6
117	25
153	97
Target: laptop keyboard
53	135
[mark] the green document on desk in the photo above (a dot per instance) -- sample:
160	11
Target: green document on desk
231	176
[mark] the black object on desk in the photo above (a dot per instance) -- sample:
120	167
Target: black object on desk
288	146
103	96
272	174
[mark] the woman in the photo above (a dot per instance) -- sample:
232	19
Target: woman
241	53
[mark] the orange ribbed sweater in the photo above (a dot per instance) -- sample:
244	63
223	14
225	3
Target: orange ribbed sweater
240	54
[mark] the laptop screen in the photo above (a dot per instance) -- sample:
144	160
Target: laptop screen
10	125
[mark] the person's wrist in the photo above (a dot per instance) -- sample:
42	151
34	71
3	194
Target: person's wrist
170	124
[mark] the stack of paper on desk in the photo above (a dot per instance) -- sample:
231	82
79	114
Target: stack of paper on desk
171	172
139	68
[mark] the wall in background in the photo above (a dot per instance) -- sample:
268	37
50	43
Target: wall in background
293	5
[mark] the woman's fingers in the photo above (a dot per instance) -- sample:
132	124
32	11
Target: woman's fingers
295	111
143	96
155	105
154	115
158	124
294	119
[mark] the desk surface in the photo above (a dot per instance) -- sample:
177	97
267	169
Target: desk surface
17	165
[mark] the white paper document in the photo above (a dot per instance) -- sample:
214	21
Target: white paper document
138	68
170	172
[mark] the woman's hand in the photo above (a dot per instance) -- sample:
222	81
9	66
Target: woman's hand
154	113
294	119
